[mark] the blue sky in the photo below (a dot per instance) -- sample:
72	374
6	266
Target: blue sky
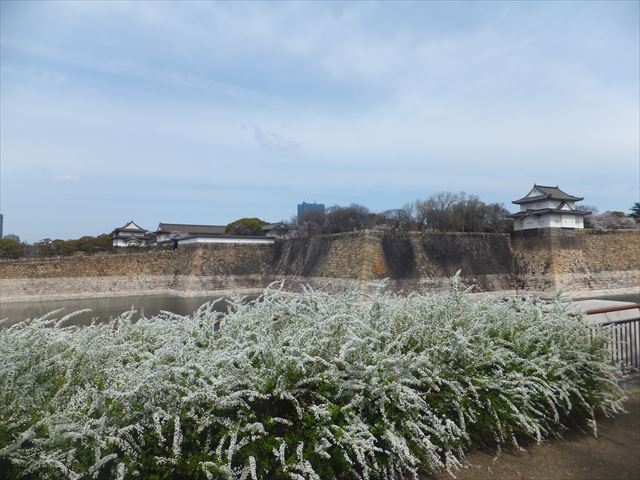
207	112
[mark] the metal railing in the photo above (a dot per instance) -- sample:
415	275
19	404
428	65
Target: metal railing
623	337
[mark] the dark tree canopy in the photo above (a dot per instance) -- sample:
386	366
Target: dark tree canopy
86	244
11	248
397	219
459	212
346	219
245	226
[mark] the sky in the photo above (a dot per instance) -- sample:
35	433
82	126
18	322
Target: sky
207	112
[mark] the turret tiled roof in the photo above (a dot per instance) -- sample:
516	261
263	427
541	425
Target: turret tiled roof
130	226
547	192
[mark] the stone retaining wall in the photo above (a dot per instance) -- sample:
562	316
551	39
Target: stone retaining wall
541	261
577	260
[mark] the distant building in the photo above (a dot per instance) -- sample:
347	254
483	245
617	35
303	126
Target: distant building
305	208
185	234
230	239
171	231
130	235
1	221
275	230
11	236
548	207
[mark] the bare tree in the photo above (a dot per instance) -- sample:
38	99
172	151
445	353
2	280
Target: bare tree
459	212
495	218
347	219
398	219
311	224
588	220
587	208
468	214
436	212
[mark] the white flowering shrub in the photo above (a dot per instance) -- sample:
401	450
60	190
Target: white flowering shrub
316	386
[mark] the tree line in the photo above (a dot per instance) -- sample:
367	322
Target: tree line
611	219
442	212
12	248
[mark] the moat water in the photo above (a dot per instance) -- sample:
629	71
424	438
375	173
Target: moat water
103	309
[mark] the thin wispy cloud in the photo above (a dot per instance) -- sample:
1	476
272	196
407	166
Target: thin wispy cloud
275	142
129	70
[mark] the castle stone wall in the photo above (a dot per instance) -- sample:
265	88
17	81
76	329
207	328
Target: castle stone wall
534	260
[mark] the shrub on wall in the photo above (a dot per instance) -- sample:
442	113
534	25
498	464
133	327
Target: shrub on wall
245	226
315	386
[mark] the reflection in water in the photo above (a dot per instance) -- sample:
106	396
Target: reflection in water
104	308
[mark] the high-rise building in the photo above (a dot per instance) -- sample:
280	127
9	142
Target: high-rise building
305	208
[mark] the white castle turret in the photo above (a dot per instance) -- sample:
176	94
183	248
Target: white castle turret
548	207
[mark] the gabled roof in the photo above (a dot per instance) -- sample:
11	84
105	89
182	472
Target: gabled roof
131	226
546	192
191	229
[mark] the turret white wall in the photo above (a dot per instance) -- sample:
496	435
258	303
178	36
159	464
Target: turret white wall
549	220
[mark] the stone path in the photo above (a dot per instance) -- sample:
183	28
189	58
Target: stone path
614	455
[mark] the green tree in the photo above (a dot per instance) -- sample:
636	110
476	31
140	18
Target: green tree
245	226
86	244
64	247
104	243
10	248
635	211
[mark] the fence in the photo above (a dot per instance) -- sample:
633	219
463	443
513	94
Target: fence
623	337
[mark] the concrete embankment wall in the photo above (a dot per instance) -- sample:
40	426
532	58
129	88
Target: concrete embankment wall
540	261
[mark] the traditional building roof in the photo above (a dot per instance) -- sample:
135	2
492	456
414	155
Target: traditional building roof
540	211
131	226
191	229
546	192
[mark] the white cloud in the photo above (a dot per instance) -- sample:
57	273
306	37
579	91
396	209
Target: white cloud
67	177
